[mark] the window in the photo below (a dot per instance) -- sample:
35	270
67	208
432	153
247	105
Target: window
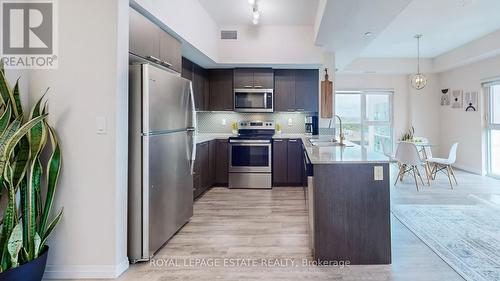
493	129
367	117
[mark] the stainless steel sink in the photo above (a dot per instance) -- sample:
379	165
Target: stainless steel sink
324	143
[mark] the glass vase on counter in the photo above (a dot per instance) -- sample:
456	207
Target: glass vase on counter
278	128
234	128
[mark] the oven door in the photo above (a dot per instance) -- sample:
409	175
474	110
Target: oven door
253	100
249	156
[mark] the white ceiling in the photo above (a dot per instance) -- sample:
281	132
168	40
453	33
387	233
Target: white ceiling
344	23
445	25
272	12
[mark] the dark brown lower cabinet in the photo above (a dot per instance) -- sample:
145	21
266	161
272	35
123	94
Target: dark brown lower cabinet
221	162
212	146
287	162
210	167
295	162
280	170
200	169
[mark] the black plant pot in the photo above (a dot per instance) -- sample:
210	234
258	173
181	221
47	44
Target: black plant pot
32	271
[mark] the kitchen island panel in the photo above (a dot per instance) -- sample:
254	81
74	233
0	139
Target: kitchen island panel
352	214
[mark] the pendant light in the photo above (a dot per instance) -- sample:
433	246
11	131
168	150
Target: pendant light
418	81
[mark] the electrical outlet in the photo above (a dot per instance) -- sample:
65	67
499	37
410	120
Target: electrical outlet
378	173
224	121
290	122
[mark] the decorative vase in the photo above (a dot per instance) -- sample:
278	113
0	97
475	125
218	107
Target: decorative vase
31	271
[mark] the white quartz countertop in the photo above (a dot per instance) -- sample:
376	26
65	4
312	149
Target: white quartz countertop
351	153
203	137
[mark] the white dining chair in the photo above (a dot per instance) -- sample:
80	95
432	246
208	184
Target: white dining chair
387	150
444	165
426	154
409	160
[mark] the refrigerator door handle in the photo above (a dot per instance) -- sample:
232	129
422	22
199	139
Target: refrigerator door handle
192	157
192	126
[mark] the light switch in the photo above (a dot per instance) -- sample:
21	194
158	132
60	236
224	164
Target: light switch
100	125
378	173
224	122
290	122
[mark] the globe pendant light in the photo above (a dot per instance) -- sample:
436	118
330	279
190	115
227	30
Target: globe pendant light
418	81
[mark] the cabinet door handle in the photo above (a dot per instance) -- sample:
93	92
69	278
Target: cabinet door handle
167	64
257	86
247	86
278	140
292	140
300	109
153	58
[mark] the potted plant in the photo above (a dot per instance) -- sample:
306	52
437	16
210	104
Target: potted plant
27	185
408	136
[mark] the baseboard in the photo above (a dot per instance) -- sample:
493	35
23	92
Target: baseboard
468	169
85	271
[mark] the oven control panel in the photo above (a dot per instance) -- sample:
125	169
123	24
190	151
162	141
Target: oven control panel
256	125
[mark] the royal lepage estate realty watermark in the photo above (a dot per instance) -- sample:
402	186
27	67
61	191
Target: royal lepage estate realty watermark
29	34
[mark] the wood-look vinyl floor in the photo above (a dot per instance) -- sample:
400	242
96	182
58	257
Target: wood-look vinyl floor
265	224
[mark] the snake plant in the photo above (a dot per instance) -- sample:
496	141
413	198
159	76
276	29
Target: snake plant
28	178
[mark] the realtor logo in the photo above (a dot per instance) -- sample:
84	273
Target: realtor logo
28	34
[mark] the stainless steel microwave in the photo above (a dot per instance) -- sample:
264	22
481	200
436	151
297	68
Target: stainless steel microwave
253	100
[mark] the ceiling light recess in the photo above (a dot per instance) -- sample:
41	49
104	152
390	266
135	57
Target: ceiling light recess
255	11
418	80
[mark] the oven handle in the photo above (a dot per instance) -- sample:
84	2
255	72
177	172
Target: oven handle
251	144
250	141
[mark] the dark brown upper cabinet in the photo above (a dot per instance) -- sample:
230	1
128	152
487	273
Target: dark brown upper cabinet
221	89
247	78
199	80
187	69
144	36
296	90
199	77
170	51
284	90
307	90
149	41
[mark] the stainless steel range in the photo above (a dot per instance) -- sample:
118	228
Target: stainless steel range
250	155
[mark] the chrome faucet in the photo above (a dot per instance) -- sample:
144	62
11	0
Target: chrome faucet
341	132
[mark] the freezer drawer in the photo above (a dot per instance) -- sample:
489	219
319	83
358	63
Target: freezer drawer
170	183
163	202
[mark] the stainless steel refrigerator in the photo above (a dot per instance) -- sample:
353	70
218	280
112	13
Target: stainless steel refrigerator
161	156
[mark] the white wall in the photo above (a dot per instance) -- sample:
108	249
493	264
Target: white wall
423	107
467	128
270	44
91	81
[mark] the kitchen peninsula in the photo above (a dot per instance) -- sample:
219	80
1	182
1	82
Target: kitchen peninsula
348	202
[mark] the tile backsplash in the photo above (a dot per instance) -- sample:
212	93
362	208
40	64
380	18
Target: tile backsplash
212	122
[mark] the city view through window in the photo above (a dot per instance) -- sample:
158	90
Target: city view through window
366	118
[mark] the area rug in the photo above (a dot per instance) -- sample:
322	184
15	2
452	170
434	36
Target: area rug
467	237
